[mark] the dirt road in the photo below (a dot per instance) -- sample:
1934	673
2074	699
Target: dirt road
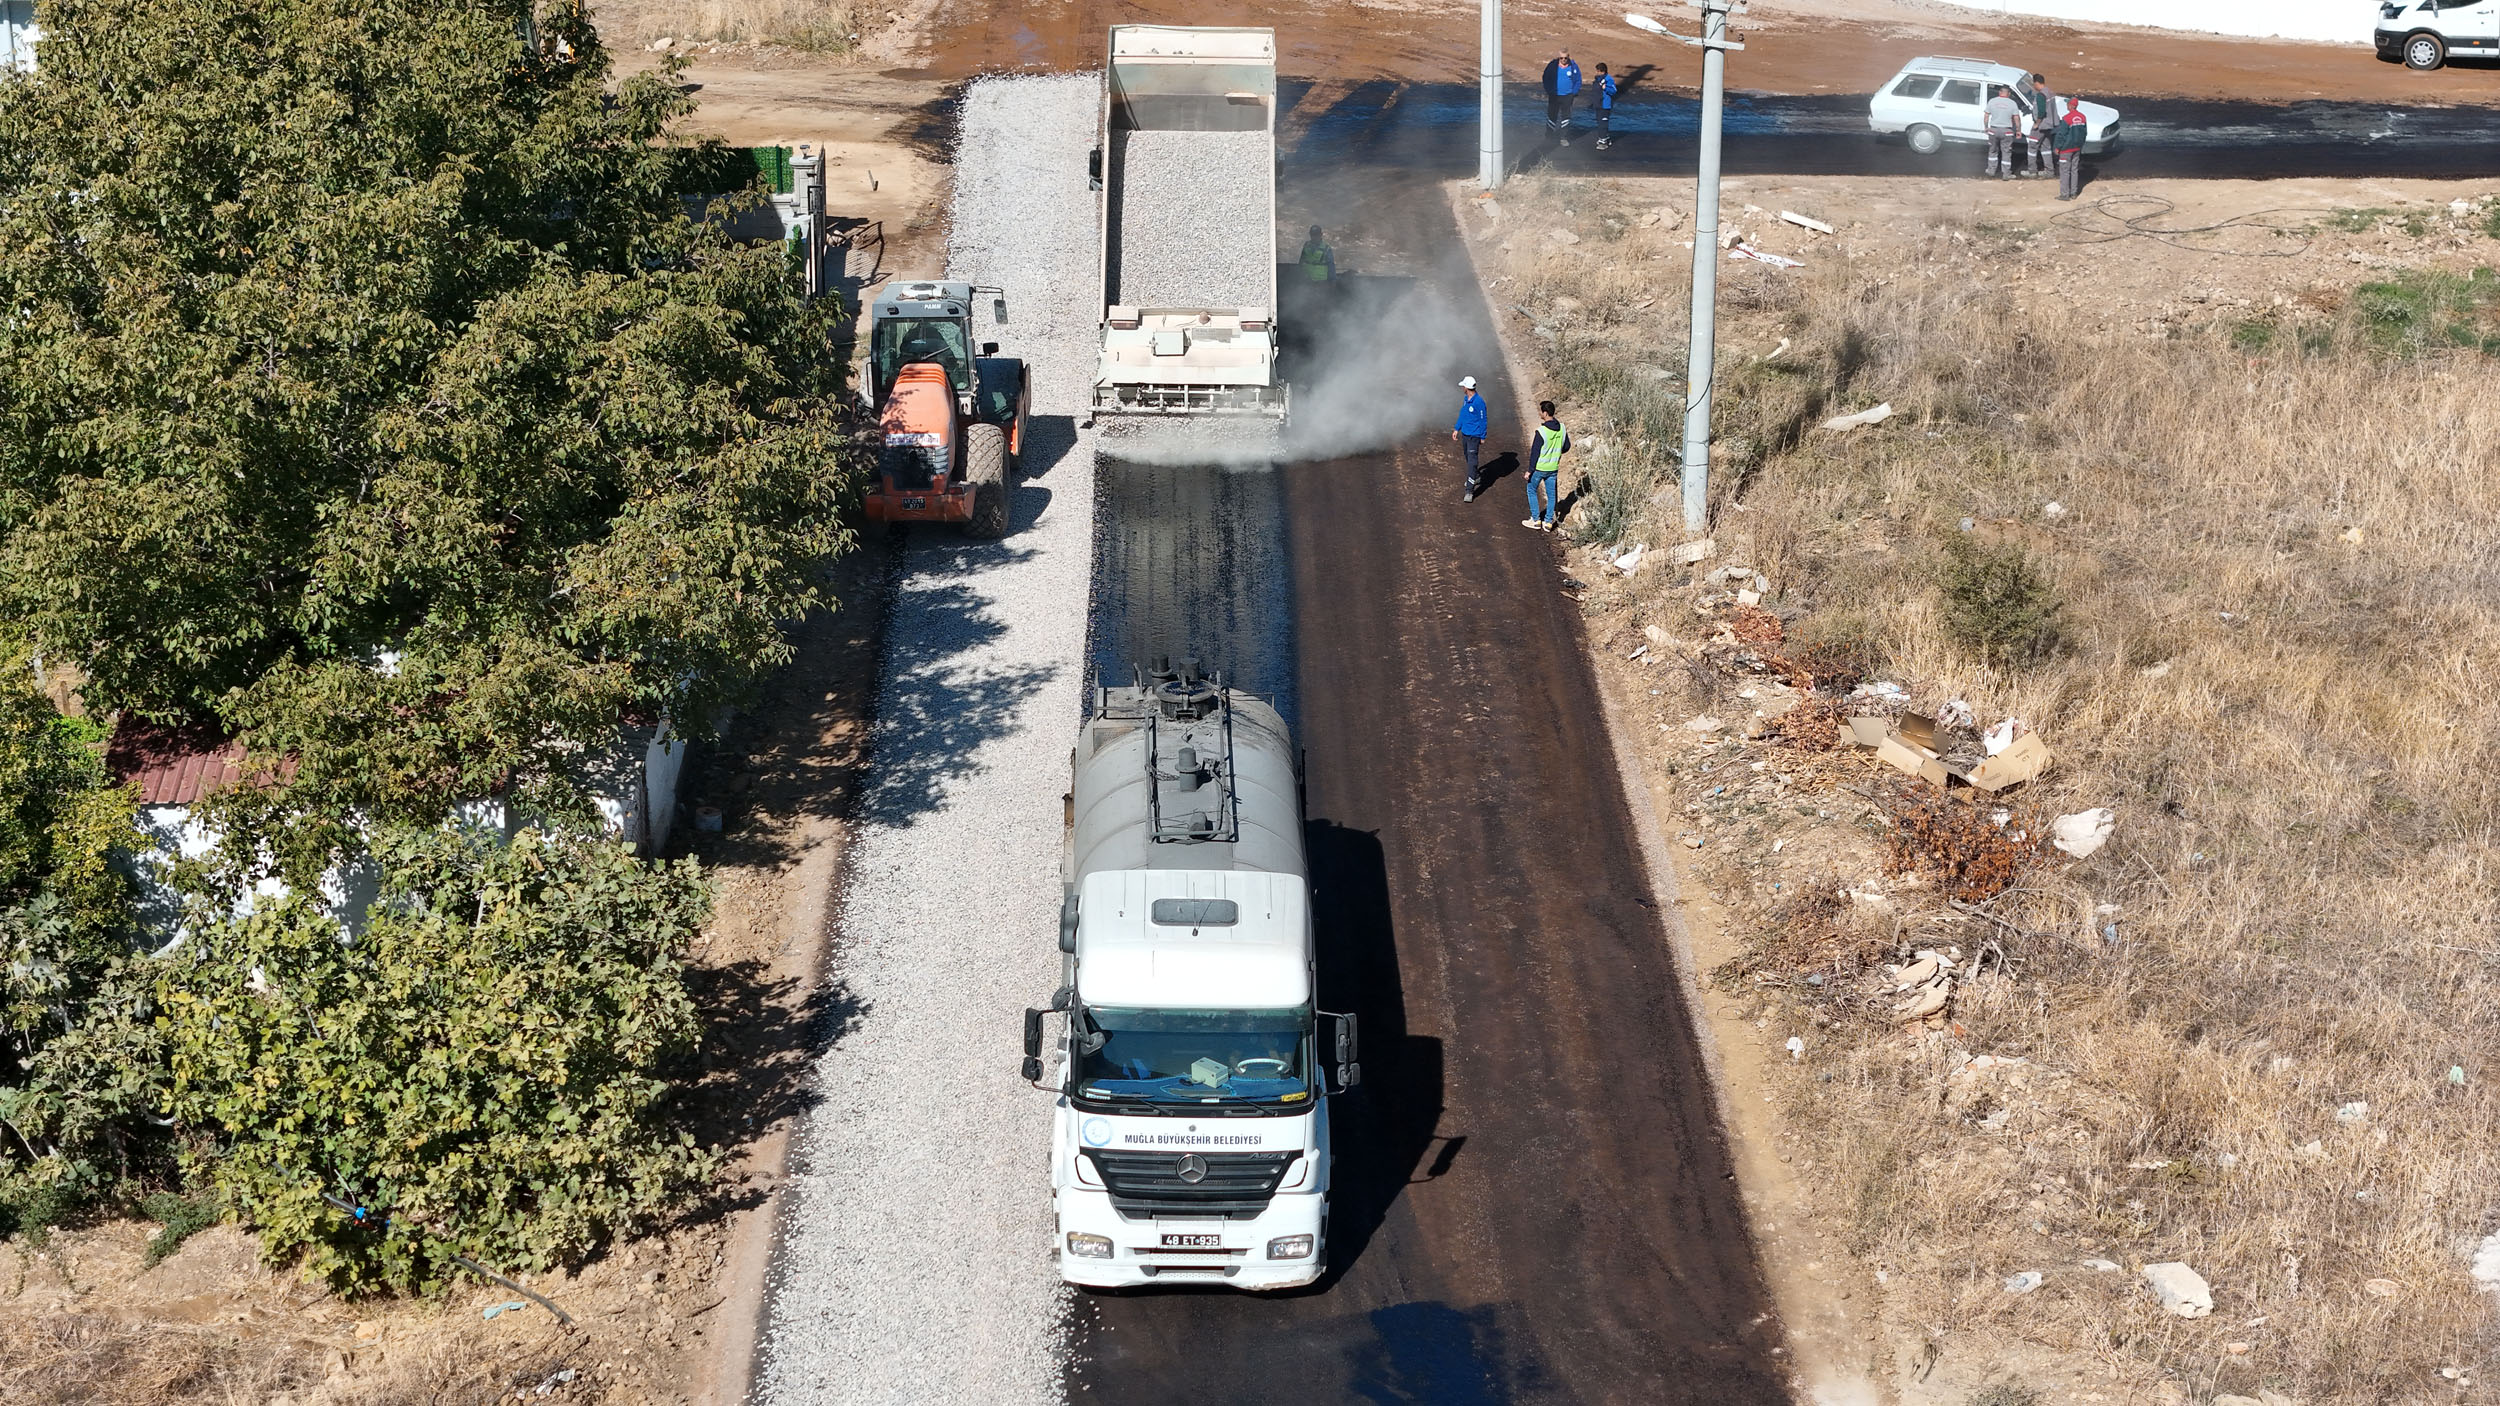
1533	1200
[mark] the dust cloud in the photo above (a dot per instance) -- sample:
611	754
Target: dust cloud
1371	363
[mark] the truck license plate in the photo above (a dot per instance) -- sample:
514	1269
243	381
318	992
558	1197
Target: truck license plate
1193	1242
913	505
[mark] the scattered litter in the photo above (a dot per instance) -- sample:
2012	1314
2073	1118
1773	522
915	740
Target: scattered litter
1970	524
2003	735
556	1379
1692	841
2151	1165
2083	833
1875	416
2352	535
2182	1290
2022	1283
1492	208
2486	1268
1747	251
2456	1074
1956	715
1806	222
493	1309
1909	744
2101	1266
1749	596
2381	1288
1777	352
1796	1047
1694	553
1629	560
2155	671
2357	1111
2052	510
661	44
1881	693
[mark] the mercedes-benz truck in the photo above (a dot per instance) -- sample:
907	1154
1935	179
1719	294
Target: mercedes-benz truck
1192	1071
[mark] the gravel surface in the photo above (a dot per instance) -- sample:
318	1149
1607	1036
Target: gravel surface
914	1257
1197	227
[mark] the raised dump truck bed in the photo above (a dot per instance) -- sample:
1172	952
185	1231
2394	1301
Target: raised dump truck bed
1186	161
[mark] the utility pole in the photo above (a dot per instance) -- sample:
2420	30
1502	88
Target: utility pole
1701	360
1489	99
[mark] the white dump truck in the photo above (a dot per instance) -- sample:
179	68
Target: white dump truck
1190	1138
1185	160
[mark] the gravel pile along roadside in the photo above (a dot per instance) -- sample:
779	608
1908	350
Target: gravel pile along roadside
914	1259
1197	223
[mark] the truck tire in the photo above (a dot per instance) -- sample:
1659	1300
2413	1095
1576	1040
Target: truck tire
1926	140
2424	51
985	469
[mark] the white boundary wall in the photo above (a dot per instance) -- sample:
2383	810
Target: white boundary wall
2331	21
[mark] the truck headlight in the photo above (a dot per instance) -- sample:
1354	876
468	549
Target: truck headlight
1098	1247
1283	1247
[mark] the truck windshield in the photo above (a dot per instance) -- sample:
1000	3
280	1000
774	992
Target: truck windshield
1195	1056
900	341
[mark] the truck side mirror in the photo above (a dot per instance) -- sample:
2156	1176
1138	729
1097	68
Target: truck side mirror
1032	1046
989	349
1093	169
1348	1075
1345	1038
998	310
1067	923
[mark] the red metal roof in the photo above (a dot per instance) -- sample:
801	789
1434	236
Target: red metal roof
173	766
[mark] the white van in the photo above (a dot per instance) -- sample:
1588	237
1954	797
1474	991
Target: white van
2431	32
1932	101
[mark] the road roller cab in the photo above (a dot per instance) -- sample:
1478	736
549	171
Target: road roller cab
950	414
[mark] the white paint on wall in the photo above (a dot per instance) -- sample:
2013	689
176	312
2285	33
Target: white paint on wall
2328	21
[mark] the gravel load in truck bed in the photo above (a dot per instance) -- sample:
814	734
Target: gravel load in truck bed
914	1255
1196	224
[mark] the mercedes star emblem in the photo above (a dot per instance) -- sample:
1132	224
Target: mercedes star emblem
1193	1168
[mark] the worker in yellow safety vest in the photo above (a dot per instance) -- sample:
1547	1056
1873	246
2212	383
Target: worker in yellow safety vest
1319	262
1545	454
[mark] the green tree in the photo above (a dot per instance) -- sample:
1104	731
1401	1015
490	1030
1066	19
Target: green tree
488	1063
370	391
78	1056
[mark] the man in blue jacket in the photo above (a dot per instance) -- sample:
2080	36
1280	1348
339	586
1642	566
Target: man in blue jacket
1605	108
1473	418
1562	88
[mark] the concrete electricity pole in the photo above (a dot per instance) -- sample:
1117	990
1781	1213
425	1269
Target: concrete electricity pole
1489	98
1701	359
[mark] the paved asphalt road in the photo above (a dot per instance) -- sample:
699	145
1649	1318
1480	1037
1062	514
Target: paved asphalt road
1533	1199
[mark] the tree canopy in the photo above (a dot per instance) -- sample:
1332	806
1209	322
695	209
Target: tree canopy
370	391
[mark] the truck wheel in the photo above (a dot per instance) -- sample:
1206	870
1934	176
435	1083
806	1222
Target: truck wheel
985	468
1926	140
2424	52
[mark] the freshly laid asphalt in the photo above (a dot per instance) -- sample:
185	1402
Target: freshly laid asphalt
1533	1200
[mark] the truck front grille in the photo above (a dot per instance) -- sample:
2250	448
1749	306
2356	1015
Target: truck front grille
1237	1184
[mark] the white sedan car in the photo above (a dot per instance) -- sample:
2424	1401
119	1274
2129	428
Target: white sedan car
1937	100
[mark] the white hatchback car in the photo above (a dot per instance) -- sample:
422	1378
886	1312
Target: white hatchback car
1937	100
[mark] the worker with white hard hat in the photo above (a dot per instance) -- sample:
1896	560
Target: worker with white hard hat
1473	418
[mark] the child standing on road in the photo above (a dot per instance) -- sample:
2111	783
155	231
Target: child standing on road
1605	108
1544	468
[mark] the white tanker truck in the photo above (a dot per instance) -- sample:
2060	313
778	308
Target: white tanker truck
1189	1141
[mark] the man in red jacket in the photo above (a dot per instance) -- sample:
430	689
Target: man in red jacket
2071	131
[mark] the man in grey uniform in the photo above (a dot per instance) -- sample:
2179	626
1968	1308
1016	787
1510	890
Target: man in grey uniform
2004	118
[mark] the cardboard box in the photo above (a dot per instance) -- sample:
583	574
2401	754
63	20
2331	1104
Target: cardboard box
1909	743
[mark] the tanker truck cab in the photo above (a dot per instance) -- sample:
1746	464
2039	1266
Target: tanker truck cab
1190	1133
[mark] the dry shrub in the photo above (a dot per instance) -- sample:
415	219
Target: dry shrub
2276	641
1956	844
78	1359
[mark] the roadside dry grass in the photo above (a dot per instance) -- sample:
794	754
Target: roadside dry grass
834	28
2275	556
